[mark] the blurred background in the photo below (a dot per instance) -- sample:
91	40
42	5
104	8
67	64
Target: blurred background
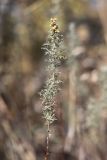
80	132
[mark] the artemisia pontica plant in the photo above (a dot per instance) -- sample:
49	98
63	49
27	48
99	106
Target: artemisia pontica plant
54	53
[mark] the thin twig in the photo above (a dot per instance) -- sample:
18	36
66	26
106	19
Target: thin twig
47	143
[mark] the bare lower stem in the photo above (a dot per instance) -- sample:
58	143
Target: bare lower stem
47	143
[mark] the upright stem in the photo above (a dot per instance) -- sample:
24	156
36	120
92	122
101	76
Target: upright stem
54	52
47	142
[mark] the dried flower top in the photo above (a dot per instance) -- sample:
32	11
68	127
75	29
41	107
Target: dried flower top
54	26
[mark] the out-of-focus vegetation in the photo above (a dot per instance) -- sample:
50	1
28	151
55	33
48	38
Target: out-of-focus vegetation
81	127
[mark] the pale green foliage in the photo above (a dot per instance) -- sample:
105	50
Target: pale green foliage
54	53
